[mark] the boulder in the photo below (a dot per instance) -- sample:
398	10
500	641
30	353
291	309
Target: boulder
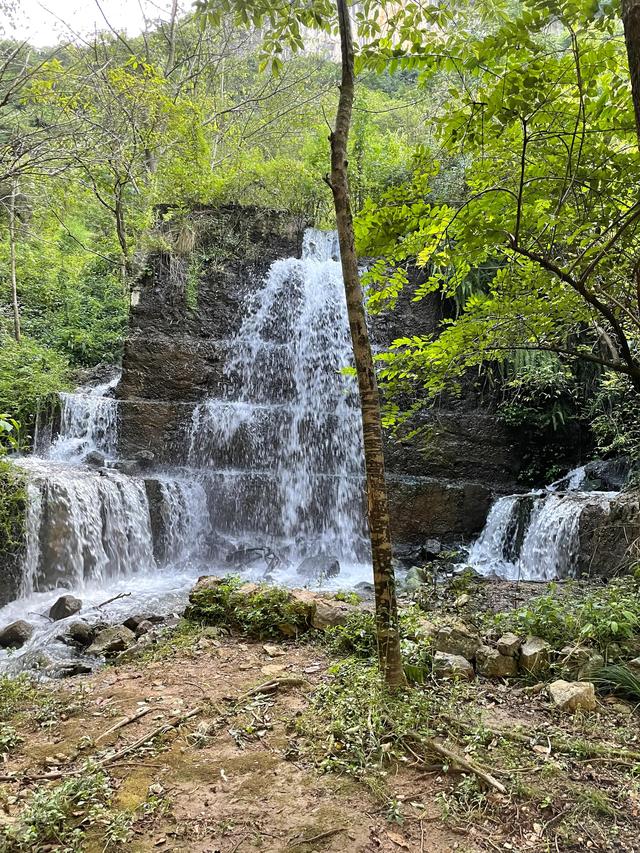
452	666
143	628
144	458
319	567
580	661
133	621
323	612
204	583
81	633
95	459
111	640
573	696
16	634
509	645
634	665
534	655
492	664
65	606
458	640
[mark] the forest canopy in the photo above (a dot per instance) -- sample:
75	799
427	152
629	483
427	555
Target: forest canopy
491	164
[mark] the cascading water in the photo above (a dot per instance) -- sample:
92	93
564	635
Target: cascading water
88	421
286	450
535	536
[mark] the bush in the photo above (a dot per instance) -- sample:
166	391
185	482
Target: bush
30	375
606	615
266	611
615	417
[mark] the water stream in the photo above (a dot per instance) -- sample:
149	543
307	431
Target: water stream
274	465
535	536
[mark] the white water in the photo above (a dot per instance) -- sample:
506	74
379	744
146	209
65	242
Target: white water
276	464
292	435
534	536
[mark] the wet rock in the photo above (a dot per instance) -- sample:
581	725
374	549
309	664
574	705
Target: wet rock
573	696
365	588
81	633
458	640
67	669
95	459
492	664
452	666
509	645
534	655
318	567
413	580
144	627
205	583
16	634
144	458
111	640
133	621
65	606
127	466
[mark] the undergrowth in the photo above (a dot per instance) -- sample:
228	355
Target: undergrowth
261	612
603	616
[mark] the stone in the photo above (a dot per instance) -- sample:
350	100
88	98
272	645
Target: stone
452	666
534	655
634	665
319	567
462	600
492	664
573	696
133	621
16	634
413	580
144	458
95	459
127	466
509	645
144	627
322	612
204	583
458	640
594	663
81	633
65	606
111	640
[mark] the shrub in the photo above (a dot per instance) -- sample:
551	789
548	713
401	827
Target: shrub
265	611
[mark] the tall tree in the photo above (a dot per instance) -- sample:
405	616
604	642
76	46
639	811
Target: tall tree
377	503
286	29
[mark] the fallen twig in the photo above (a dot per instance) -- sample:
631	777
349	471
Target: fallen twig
309	839
160	730
139	713
452	756
275	684
111	600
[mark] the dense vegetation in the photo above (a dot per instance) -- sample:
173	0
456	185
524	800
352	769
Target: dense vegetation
494	149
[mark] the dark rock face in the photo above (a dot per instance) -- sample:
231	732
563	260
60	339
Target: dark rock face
189	305
15	635
65	606
318	567
609	536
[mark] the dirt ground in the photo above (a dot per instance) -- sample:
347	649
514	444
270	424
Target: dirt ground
226	782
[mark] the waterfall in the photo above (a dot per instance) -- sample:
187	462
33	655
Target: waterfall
185	520
88	421
83	527
534	536
285	447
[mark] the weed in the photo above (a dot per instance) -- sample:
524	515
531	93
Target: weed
354	725
619	680
347	597
9	738
259	611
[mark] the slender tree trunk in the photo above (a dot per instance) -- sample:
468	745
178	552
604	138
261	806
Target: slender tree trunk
171	52
631	20
12	259
378	512
121	231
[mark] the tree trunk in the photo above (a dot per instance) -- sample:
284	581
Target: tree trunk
121	231
631	20
12	259
378	512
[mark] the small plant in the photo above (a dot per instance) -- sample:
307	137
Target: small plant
619	680
9	738
356	637
261	611
348	597
58	817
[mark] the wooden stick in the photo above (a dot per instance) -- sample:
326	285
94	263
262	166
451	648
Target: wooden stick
111	600
326	834
274	684
160	730
140	713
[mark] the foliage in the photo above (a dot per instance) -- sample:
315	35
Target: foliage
30	375
13	506
58	815
262	612
615	419
363	725
603	615
619	680
539	108
9	738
